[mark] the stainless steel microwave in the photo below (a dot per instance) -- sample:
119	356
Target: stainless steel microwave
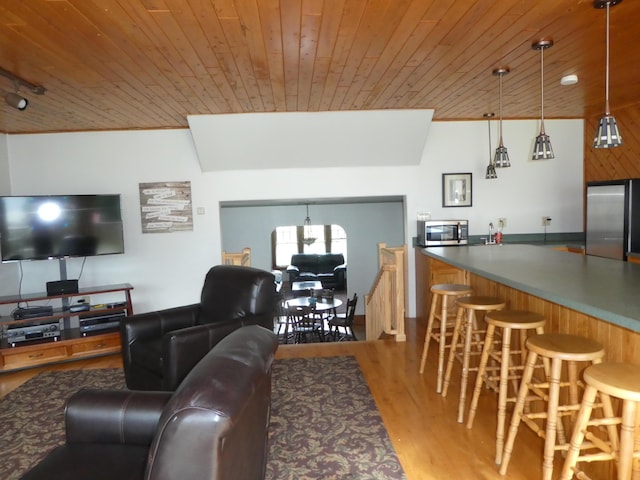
443	232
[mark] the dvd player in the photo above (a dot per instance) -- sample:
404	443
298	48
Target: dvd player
21	313
100	321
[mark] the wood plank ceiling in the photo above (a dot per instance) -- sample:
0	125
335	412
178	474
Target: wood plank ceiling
132	64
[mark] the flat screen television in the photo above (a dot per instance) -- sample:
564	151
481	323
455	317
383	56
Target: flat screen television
58	226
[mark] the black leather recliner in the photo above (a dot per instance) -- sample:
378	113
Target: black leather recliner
160	348
214	426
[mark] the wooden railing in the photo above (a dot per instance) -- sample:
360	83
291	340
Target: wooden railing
385	304
243	258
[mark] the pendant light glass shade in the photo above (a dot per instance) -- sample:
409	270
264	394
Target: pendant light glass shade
501	159
607	135
542	149
307	233
491	169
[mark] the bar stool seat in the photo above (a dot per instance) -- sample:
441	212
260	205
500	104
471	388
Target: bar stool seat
467	334
440	293
622	381
508	369
554	349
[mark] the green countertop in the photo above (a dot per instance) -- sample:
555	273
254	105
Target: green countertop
600	287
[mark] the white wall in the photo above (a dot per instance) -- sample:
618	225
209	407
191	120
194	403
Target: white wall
366	225
167	269
5	182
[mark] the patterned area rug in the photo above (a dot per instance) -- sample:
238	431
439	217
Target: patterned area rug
324	421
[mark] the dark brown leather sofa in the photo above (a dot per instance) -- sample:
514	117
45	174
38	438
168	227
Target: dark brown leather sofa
327	268
214	426
160	348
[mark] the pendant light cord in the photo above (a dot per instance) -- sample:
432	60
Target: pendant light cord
606	83
489	128
542	90
501	143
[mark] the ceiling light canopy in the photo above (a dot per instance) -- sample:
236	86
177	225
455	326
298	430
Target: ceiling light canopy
607	134
542	149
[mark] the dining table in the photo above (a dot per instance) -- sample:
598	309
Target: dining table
323	307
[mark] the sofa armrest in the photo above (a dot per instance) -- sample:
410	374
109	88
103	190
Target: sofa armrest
114	416
340	268
185	348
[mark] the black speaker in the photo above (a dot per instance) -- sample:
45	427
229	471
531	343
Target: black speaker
62	287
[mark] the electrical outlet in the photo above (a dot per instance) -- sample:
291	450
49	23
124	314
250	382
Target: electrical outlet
502	223
546	221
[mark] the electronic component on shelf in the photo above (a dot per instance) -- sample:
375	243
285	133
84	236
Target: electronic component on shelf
97	322
81	307
21	313
23	333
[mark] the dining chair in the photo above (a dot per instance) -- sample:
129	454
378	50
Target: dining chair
341	324
282	329
304	324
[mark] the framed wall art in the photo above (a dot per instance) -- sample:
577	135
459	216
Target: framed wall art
456	190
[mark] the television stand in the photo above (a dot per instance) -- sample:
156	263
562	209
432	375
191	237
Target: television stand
53	337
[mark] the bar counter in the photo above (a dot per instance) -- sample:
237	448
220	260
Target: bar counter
590	296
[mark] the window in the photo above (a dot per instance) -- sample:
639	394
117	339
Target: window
287	241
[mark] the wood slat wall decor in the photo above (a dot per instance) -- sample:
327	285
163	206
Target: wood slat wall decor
132	64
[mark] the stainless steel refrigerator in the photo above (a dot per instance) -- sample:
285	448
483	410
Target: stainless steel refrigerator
613	218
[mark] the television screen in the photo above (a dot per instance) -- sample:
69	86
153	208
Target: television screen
57	226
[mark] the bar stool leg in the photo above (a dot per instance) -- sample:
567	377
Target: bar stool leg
636	461
502	392
443	342
552	418
470	327
519	408
452	350
584	414
427	337
484	359
627	434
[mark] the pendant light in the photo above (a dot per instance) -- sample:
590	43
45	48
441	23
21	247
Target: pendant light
502	157
491	169
307	233
542	148
607	135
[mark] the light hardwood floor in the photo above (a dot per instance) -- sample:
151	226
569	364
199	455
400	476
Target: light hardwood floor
421	424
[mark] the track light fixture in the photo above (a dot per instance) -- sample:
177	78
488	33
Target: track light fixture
607	134
15	100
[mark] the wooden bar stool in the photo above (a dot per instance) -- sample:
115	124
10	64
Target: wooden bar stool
553	348
622	381
467	335
440	293
508	369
